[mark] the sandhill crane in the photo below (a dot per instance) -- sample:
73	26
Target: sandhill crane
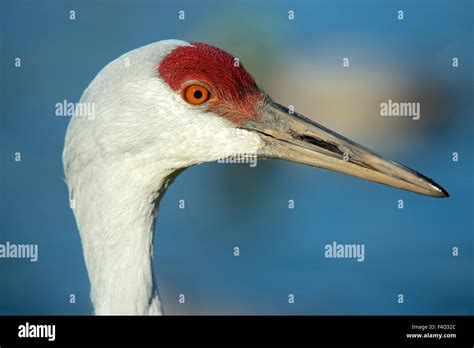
158	110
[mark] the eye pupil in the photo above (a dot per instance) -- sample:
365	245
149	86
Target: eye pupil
197	94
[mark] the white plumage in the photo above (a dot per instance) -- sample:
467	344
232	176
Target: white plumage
119	163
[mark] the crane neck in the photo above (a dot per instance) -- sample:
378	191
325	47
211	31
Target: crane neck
116	216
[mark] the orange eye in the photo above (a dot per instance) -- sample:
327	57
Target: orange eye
196	94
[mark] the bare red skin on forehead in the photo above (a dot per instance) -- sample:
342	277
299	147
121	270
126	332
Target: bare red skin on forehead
234	92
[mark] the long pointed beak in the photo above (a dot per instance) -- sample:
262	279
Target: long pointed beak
293	137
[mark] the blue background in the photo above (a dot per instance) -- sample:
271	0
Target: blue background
407	251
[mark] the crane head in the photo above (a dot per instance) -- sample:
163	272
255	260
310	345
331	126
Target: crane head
164	107
180	104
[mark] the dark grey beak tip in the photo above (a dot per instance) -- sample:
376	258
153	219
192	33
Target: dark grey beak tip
445	193
441	192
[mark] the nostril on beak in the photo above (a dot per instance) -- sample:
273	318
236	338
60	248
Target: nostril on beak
319	143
